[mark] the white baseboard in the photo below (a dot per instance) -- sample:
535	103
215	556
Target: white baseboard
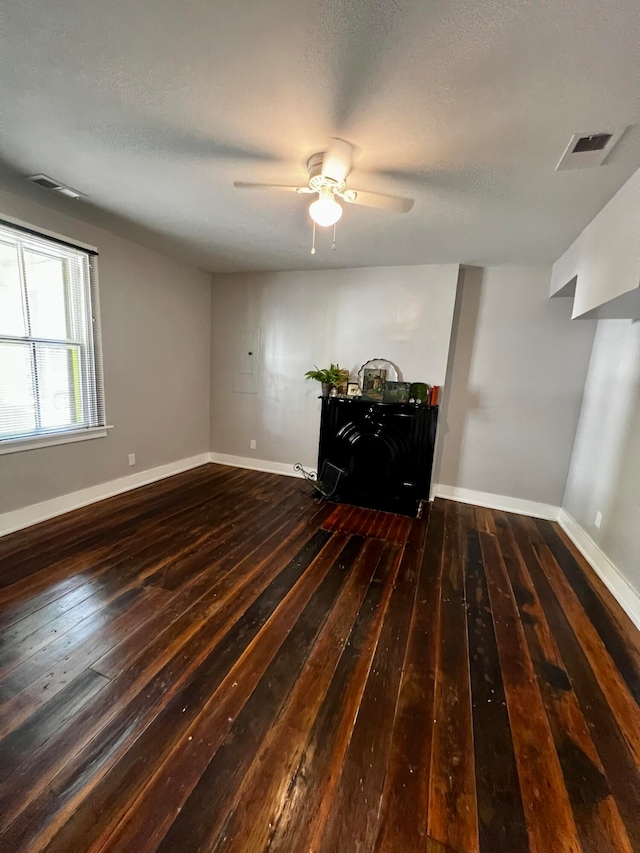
25	517
501	502
626	596
265	465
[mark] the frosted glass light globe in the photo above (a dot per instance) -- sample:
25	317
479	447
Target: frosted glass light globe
325	211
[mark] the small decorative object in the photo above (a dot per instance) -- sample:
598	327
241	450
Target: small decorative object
396	392
329	377
373	382
393	374
353	389
419	391
341	386
435	395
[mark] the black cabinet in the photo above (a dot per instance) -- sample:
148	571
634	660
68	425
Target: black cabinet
385	448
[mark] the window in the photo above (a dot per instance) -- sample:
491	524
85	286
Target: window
50	377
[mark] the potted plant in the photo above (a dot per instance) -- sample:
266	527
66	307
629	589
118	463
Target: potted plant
329	377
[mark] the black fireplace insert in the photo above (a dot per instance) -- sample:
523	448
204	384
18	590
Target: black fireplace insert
385	448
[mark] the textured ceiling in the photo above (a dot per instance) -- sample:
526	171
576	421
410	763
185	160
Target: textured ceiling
154	108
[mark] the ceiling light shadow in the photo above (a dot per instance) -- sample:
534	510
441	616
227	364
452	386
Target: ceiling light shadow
483	181
354	39
175	144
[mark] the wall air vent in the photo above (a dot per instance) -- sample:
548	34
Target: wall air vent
586	150
54	186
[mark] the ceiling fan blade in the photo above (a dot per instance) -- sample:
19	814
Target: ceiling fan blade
394	203
245	185
337	160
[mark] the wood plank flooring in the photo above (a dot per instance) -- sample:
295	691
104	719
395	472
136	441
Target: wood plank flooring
216	663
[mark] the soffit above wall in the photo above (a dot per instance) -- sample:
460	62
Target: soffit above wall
601	269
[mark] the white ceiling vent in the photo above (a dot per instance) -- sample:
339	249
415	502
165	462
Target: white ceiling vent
54	186
588	149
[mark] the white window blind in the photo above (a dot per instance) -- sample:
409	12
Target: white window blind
50	360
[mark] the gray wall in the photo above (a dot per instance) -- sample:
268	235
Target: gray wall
156	341
605	467
515	384
403	314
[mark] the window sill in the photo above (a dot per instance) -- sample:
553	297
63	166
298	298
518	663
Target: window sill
15	445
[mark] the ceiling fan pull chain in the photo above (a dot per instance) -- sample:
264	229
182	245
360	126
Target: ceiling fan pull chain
333	245
313	241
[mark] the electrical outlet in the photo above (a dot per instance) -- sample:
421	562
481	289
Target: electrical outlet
132	459
598	519
253	444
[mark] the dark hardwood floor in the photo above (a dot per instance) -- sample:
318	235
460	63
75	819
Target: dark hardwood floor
216	663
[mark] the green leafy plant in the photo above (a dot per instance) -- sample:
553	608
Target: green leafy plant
332	375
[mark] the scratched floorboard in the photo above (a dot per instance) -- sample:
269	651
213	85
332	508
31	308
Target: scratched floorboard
217	663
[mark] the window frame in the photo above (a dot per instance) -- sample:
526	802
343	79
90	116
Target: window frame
90	351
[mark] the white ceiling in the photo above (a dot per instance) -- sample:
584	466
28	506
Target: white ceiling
154	107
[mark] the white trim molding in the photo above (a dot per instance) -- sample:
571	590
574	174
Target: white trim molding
71	241
626	596
501	502
33	442
25	517
265	465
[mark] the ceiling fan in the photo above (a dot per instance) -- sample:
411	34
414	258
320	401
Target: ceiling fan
328	172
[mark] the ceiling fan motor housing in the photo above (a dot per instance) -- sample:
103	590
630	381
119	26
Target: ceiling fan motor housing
317	179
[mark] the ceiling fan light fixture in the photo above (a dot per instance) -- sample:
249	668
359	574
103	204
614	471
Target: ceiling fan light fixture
325	211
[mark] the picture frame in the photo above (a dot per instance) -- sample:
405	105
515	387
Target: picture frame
393	372
353	389
373	381
396	392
